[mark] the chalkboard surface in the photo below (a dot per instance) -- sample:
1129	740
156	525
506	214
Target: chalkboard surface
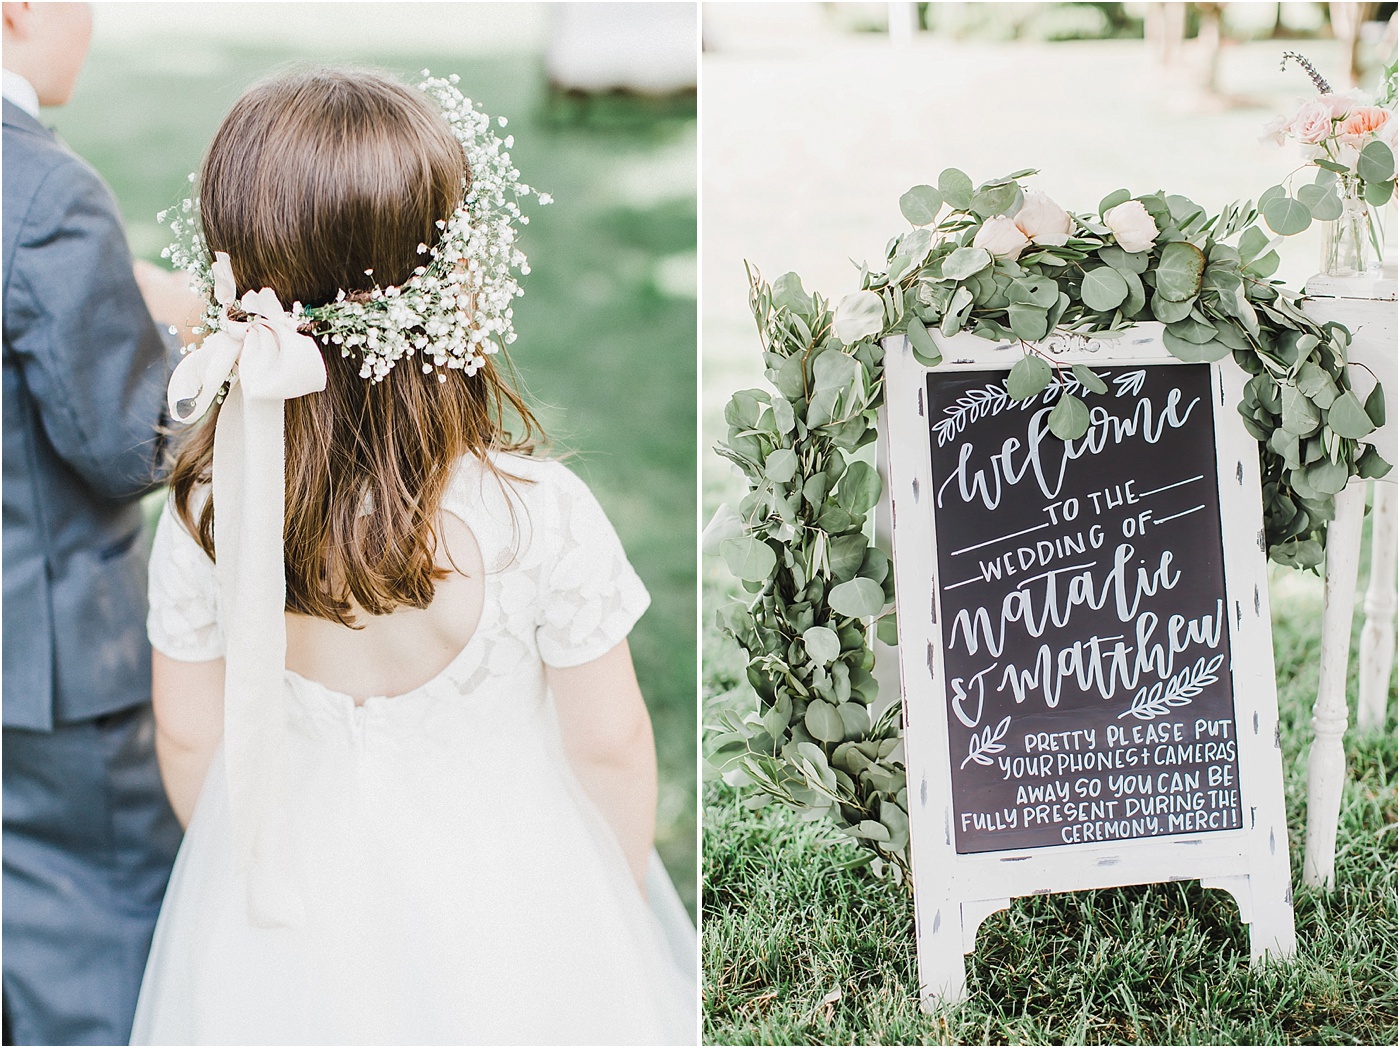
1082	609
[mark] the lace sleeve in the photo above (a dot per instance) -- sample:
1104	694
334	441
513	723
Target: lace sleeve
183	622
591	597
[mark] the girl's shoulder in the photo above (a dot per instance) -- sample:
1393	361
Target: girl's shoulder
517	504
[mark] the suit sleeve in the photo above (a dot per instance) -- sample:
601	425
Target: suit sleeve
93	361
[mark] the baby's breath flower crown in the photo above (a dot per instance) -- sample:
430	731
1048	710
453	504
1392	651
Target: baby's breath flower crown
457	307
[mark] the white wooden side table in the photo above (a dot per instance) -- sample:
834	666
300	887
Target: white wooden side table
1369	312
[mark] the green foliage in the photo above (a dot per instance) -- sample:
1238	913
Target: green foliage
803	945
817	588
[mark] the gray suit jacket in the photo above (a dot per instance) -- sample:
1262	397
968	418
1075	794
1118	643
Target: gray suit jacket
84	385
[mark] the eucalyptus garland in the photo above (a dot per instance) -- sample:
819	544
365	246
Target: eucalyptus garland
1008	265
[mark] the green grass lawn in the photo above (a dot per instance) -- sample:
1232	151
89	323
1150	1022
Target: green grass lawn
607	330
800	949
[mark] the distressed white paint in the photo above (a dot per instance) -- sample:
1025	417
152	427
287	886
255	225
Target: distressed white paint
1327	763
1368	311
954	893
1378	634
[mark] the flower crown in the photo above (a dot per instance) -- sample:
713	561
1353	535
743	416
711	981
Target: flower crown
456	308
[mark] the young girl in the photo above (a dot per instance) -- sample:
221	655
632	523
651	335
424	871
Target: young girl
394	698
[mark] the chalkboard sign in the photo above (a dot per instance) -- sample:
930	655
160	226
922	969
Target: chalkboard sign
1084	650
1083	612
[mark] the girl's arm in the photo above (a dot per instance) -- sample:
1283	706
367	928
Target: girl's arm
189	705
607	736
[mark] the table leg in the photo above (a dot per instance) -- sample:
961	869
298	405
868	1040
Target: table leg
1378	635
1327	759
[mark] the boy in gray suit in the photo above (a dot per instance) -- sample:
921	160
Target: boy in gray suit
88	835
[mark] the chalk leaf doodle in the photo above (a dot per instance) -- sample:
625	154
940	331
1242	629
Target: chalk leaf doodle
972	405
992	399
1156	701
1130	383
983	746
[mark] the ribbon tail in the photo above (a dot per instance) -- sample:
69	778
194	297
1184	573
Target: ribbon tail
249	472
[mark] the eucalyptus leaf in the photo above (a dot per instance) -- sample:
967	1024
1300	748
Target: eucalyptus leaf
822	720
1317	385
854	718
1089	380
1299	414
1040	292
1347	418
859	489
789	294
1125	261
858	598
835	370
783	416
1028	322
921	342
956	189
845	554
1179	271
1375	405
1286	215
888	630
1376	162
1328	477
1028	377
1193	330
1378	194
1265	266
1194	352
966	261
725	524
1118	196
1104	288
1169	312
780	465
1321	201
822	644
859	315
920	205
1252	242
1069	418
998	200
749	558
1371	465
1137	294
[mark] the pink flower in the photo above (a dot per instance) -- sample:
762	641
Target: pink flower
1276	130
1313	122
1342	103
1364	120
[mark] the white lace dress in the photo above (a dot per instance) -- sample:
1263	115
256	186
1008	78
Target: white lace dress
459	886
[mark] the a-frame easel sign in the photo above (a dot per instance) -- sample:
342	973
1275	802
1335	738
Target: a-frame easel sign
1084	645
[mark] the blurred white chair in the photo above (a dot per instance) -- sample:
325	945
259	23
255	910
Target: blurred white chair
649	48
1369	312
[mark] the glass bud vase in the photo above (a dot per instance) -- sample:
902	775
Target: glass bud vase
1353	245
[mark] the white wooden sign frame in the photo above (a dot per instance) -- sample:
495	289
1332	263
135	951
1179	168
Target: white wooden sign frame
954	892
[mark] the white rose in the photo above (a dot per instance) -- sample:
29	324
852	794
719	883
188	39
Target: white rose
1044	221
1131	226
1000	236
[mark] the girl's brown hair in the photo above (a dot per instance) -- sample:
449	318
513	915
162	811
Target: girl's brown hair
318	182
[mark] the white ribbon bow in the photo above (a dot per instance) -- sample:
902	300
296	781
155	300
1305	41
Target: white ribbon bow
269	362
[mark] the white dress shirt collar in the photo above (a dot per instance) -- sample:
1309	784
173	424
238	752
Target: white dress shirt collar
21	92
